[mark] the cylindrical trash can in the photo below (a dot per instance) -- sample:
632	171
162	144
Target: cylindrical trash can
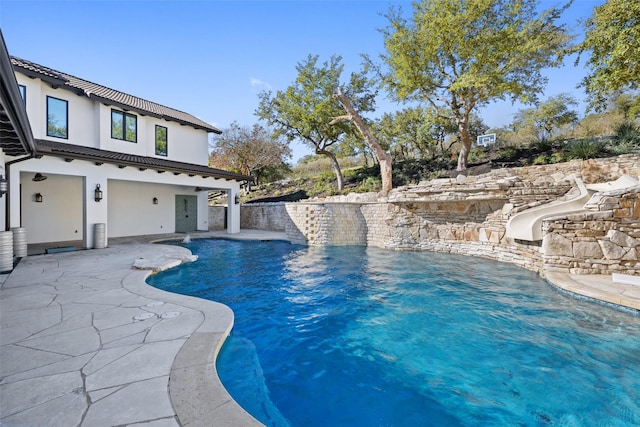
6	251
19	242
99	235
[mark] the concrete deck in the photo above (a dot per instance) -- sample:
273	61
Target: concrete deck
84	341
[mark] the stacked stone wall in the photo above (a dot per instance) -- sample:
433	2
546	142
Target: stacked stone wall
263	216
468	215
601	241
217	217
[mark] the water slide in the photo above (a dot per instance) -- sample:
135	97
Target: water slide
527	225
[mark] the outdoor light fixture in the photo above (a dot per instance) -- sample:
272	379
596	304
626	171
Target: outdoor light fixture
4	186
39	177
237	199
155	200
98	193
38	197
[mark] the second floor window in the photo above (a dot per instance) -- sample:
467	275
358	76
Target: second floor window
57	117
124	126
161	140
23	94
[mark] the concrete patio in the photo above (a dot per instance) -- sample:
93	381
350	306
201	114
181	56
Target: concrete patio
84	340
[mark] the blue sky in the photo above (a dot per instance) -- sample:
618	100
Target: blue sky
211	58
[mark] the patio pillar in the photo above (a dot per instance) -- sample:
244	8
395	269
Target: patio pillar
233	210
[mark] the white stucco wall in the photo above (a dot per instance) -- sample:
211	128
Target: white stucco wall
132	212
59	217
90	125
127	207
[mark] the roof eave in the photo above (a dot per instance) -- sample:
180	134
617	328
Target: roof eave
45	149
12	101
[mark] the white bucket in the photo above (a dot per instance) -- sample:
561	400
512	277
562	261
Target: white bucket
19	242
99	236
6	251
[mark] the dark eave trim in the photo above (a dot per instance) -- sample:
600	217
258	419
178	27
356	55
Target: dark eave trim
12	102
122	160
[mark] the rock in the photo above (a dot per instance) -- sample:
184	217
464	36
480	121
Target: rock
611	250
587	250
556	245
622	239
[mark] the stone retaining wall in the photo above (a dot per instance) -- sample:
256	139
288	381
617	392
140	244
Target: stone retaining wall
603	240
468	215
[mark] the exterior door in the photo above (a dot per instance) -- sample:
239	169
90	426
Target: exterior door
186	213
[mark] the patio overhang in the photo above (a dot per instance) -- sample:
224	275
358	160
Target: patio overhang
70	152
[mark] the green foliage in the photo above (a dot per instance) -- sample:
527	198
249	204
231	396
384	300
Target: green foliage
304	110
612	40
627	133
508	152
370	184
586	149
547	118
542	159
249	150
457	55
557	157
477	154
542	145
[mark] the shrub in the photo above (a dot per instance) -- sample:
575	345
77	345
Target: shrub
586	149
557	157
370	184
627	133
476	154
542	145
508	152
542	159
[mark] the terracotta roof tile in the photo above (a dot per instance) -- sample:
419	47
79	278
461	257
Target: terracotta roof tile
108	96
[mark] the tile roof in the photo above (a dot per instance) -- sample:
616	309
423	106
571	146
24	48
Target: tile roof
73	152
108	96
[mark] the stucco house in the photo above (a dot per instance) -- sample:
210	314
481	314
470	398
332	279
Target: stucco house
75	154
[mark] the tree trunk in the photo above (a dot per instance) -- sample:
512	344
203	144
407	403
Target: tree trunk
336	166
465	140
384	158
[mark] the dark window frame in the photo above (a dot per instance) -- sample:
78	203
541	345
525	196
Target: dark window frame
166	141
66	124
124	117
23	93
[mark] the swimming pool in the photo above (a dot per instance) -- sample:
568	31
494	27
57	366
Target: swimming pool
355	336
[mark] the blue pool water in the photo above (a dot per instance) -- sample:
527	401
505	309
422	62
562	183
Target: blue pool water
354	336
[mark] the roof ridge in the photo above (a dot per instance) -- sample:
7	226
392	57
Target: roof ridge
116	96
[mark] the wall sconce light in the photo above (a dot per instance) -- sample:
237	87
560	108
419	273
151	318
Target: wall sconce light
97	193
237	199
38	198
155	200
4	186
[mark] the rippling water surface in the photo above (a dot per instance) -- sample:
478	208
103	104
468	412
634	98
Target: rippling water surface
354	336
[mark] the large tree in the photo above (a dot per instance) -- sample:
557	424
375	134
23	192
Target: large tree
550	116
613	40
248	150
304	110
414	132
383	157
458	55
